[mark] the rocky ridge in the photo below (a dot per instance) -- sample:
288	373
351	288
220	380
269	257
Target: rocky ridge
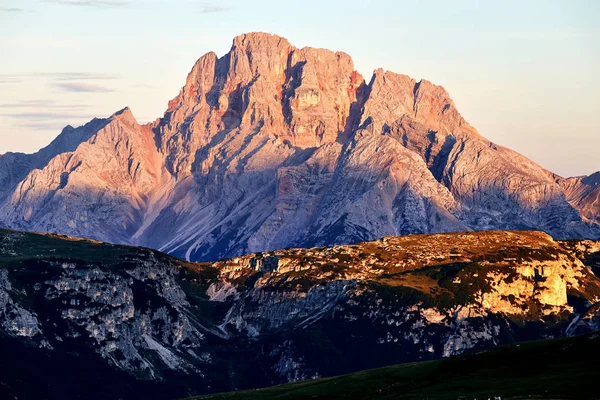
172	328
271	146
583	193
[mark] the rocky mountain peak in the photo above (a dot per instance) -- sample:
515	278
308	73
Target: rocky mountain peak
272	146
125	116
393	96
583	192
304	97
259	39
593	179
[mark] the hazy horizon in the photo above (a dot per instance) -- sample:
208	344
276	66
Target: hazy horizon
524	75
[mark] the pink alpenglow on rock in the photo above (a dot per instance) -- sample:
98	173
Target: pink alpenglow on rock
271	146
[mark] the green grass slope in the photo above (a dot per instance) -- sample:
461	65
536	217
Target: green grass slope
548	369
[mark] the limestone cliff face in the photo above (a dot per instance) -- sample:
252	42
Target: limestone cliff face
285	315
99	186
482	176
584	194
302	98
271	146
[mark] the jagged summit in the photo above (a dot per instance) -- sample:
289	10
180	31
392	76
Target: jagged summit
303	96
125	115
272	146
584	193
125	111
254	40
593	179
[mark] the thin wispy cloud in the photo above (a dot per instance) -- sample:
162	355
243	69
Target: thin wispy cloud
90	3
15	10
212	8
43	126
72	76
81	87
25	105
73	82
60	76
44	115
8	81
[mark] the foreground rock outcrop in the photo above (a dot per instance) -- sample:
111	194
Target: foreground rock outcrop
271	146
139	322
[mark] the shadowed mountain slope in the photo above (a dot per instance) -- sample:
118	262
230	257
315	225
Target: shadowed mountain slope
271	146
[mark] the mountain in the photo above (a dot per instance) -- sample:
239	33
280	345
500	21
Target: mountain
91	181
271	146
562	369
583	193
76	315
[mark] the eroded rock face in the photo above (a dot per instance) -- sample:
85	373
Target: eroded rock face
97	188
287	315
15	319
584	194
271	146
101	307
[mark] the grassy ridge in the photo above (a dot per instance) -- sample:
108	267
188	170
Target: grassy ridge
564	368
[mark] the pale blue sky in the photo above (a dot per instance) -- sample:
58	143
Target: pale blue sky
524	73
